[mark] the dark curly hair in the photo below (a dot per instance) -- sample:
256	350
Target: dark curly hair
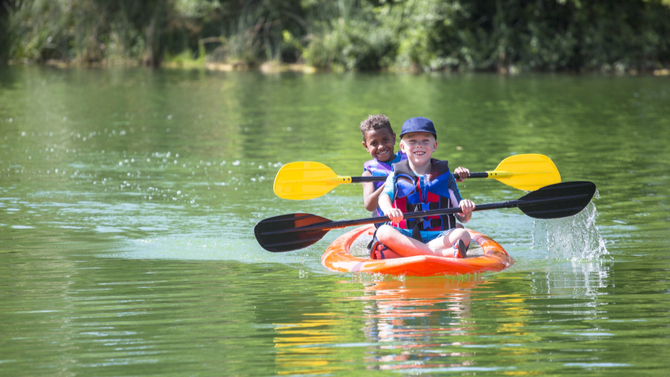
375	122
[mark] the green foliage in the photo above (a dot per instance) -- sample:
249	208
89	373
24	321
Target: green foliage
36	30
350	35
427	34
494	35
352	45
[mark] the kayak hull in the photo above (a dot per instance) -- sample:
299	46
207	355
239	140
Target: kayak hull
338	258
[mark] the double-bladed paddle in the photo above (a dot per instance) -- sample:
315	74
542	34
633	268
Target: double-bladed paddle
309	180
299	230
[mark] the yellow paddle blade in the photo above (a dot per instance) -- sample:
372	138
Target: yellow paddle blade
527	172
306	180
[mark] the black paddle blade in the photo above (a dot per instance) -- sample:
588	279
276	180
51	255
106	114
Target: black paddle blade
559	200
274	234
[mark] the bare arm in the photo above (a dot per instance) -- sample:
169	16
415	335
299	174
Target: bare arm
370	195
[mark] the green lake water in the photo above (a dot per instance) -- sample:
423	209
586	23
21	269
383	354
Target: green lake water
128	199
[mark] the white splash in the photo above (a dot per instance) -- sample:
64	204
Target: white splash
572	238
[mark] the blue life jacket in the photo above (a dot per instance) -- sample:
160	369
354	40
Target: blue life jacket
435	190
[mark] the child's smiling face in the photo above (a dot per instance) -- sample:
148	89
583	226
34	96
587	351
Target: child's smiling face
419	146
380	144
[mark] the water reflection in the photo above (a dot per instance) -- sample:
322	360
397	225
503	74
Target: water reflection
127	199
405	323
429	325
305	348
409	318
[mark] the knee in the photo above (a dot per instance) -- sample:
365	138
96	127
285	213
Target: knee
384	232
463	235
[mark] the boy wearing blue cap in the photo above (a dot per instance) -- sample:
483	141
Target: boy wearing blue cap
421	183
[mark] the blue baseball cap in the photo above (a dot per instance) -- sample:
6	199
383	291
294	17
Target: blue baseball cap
418	124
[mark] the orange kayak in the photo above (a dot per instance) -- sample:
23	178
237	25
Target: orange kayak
489	256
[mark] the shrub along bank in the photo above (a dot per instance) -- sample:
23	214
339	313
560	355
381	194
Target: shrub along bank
422	35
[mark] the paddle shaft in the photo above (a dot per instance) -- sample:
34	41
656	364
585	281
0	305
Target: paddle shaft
329	225
374	178
299	230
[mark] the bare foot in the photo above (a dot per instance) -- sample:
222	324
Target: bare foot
388	254
451	252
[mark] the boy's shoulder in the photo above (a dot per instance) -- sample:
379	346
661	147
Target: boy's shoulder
438	168
440	165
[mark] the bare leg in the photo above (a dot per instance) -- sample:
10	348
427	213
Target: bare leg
442	245
403	245
406	247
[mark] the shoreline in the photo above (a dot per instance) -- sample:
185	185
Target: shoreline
272	67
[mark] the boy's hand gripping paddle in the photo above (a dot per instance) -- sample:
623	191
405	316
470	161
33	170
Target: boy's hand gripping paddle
299	230
309	180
